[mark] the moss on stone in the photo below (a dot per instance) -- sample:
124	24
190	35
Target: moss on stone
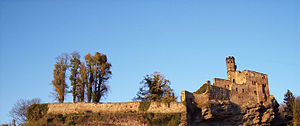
203	89
36	111
144	106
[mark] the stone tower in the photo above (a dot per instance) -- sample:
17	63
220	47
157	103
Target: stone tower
230	63
231	67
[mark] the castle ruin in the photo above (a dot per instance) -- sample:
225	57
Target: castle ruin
246	86
240	87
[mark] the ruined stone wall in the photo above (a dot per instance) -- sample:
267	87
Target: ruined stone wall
160	107
222	83
242	94
248	86
67	108
155	107
219	93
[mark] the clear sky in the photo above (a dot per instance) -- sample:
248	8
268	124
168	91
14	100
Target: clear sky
187	41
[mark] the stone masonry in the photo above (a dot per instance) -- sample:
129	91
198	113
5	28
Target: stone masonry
246	86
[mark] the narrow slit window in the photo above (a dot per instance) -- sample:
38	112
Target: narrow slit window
263	88
243	90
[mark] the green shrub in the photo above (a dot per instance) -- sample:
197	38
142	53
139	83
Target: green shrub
144	106
130	111
205	87
36	111
159	119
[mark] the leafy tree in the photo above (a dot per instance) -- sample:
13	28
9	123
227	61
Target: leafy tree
98	73
90	82
82	82
19	110
102	74
74	64
59	77
155	88
289	101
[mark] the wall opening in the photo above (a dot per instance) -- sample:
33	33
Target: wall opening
263	88
233	81
236	89
255	92
243	90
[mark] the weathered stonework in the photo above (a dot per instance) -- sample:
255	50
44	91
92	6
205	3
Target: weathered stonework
241	99
155	107
246	86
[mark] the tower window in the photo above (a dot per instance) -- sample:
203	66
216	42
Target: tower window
236	89
255	92
233	81
243	90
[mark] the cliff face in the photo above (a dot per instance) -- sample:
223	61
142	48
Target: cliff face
226	113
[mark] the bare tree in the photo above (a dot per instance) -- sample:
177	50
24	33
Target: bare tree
19	110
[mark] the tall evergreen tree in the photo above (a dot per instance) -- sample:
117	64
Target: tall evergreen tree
289	100
59	77
74	77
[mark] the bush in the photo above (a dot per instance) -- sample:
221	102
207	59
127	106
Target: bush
144	106
205	87
159	119
36	111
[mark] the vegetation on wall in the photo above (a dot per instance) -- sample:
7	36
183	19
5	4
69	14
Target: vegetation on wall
144	106
36	111
19	110
159	119
204	88
150	119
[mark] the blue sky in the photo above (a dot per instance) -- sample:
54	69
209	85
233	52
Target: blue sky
187	41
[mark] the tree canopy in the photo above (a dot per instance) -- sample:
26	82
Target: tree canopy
87	78
155	88
59	77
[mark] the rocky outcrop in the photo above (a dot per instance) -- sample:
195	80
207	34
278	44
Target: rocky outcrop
226	113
